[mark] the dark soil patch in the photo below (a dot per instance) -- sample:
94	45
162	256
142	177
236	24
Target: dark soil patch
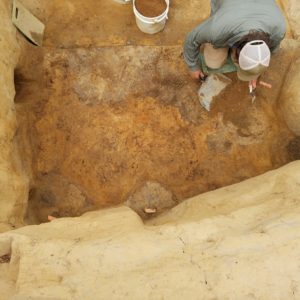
294	149
4	259
151	8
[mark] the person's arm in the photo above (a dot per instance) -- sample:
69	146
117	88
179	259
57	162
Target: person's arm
277	36
275	44
198	36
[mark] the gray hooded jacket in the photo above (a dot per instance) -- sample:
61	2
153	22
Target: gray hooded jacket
230	20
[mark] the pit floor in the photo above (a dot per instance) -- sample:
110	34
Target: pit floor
110	115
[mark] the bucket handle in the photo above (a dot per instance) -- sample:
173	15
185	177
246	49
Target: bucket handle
155	21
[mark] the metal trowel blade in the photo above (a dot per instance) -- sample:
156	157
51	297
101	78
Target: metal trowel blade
212	87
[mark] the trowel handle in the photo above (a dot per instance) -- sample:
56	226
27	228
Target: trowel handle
265	84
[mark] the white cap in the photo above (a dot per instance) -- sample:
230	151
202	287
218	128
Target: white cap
253	54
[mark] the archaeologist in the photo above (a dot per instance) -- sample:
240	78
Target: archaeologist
244	32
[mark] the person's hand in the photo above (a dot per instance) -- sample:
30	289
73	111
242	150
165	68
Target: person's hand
197	74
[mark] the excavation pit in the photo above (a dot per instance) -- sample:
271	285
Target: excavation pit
105	125
114	117
104	115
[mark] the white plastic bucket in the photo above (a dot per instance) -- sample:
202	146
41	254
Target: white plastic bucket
151	25
123	1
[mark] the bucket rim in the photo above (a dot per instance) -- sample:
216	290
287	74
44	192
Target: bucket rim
152	20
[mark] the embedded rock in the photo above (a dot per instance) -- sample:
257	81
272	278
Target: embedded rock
151	199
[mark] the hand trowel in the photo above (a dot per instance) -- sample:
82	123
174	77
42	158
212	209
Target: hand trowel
212	85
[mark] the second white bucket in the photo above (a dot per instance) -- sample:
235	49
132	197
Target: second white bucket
123	1
151	25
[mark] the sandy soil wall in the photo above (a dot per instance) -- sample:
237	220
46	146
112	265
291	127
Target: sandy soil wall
13	182
240	242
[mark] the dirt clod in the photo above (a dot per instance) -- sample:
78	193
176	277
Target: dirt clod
151	8
151	199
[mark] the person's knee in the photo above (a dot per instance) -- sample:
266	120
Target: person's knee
214	58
